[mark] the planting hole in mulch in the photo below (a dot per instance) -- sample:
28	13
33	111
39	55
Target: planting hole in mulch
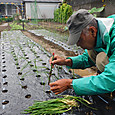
5	83
3	58
42	83
34	70
19	73
47	68
28	96
12	51
31	65
43	63
44	53
15	59
37	56
40	60
4	102
70	71
3	66
4	70
48	91
24	86
14	56
60	67
4	76
38	75
35	53
17	67
4	62
3	55
22	79
29	61
27	57
23	44
25	54
4	91
53	73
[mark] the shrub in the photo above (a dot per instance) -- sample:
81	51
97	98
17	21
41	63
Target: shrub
14	26
63	13
9	19
6	19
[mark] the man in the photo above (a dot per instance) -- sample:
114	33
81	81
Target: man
97	37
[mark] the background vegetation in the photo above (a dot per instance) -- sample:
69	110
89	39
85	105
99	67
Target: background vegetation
62	14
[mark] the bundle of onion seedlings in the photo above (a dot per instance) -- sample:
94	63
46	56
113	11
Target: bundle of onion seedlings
58	105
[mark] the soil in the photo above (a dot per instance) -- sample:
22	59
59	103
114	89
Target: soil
51	47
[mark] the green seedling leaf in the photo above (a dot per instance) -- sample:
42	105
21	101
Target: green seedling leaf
24	66
54	106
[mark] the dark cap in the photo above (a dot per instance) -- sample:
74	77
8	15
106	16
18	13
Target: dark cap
76	23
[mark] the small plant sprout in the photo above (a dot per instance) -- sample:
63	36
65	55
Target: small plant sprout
50	71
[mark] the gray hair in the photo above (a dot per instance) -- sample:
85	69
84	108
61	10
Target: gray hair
92	23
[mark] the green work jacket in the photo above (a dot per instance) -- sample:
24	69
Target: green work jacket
104	82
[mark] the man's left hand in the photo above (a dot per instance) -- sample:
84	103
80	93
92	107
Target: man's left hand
60	85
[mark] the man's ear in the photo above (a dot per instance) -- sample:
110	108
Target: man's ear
93	31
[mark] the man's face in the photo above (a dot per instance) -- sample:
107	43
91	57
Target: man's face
87	40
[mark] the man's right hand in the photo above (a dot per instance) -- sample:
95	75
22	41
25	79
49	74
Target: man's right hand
60	61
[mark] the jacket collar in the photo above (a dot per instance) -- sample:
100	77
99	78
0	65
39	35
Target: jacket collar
104	26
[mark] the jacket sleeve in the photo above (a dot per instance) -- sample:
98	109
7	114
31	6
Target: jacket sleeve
81	62
103	83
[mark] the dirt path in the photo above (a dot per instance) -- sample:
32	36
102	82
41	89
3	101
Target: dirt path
49	46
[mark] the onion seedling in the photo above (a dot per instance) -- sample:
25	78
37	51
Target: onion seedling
50	71
56	106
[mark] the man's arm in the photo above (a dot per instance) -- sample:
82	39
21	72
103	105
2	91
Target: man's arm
103	83
81	62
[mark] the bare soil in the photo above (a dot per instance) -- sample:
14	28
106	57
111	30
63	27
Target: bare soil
49	46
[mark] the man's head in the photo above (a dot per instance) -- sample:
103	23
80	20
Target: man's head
83	29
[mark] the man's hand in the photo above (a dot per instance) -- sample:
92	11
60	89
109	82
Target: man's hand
60	85
60	61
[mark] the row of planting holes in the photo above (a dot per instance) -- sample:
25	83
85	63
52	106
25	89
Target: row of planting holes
22	79
4	90
34	70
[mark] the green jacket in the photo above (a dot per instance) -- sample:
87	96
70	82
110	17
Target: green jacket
104	82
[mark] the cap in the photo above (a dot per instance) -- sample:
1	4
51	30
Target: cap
76	23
